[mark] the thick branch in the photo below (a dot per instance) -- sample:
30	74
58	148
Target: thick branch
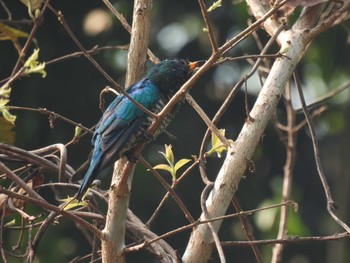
200	245
114	231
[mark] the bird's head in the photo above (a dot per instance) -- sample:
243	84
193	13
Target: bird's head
169	75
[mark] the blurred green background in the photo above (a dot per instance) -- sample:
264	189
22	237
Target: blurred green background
71	88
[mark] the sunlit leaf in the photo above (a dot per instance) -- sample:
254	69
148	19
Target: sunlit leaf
77	131
172	167
8	116
11	223
33	66
164	167
169	154
10	33
214	6
5	91
72	203
32	4
216	145
181	163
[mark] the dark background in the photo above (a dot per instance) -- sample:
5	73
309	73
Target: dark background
72	89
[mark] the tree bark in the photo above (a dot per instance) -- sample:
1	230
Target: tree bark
113	243
293	44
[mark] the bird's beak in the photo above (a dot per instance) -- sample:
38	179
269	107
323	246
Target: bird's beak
193	65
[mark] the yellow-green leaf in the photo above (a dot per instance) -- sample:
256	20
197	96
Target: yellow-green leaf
7	115
77	131
72	203
3	102
216	145
169	154
32	4
33	66
215	5
11	223
7	133
164	167
10	33
5	91
181	163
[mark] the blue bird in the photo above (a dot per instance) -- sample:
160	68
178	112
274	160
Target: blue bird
123	124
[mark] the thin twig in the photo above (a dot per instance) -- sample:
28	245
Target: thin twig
209	27
166	196
53	115
330	203
192	225
289	240
206	119
288	172
2	251
204	196
247	229
126	25
169	189
78	54
8	12
29	40
118	87
47	206
329	95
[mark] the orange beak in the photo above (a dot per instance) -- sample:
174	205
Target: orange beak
193	65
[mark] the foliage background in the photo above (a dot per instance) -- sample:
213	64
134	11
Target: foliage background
72	88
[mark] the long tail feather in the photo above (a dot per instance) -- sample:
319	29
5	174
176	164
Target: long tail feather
90	175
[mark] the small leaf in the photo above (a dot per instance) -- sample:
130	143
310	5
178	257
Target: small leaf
72	203
7	115
5	91
214	6
33	66
32	4
164	167
10	33
169	154
216	145
11	223
181	163
77	131
295	206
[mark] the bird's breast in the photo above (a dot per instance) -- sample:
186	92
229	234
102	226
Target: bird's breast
139	135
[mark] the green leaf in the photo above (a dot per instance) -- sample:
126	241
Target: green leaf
77	131
11	33
5	91
181	163
164	167
5	112
11	223
7	134
214	6
72	203
169	154
216	145
33	66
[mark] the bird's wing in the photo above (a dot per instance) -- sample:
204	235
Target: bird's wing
122	118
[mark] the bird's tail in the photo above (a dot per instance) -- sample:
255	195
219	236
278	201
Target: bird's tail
90	176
